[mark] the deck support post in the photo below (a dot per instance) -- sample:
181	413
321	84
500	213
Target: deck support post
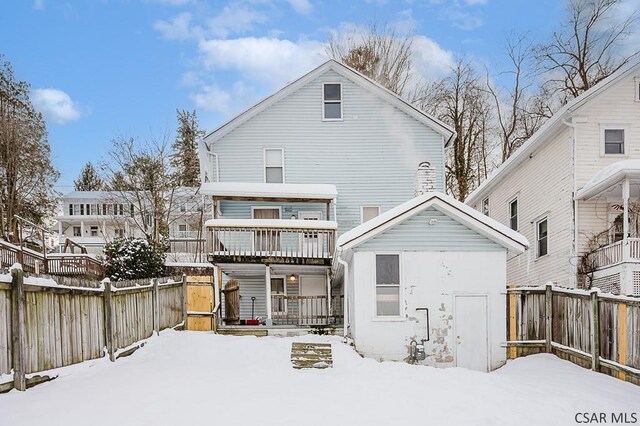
267	276
329	300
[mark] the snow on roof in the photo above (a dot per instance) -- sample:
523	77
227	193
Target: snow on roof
519	241
273	223
539	136
269	190
609	176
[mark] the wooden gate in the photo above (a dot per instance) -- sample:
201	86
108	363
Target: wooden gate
232	302
200	303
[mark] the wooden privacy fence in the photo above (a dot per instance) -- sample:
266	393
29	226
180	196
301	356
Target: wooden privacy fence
591	329
45	326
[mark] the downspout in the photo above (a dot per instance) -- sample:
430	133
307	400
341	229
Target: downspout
345	285
574	165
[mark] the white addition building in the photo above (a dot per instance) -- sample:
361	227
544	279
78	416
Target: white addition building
573	189
430	273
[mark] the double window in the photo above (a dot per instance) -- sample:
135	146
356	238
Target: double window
331	101
387	285
274	165
542	238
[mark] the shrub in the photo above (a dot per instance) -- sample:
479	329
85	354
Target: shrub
132	258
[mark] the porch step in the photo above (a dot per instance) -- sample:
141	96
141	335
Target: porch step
311	355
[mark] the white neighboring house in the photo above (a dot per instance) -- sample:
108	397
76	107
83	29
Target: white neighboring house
573	189
93	218
429	273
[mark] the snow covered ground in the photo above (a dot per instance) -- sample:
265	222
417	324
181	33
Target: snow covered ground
195	378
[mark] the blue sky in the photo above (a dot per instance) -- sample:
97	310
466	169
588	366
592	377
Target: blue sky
101	69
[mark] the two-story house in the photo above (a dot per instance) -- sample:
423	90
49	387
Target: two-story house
573	189
329	151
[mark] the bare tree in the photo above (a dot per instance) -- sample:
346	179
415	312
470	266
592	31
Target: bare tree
381	54
587	48
460	100
519	110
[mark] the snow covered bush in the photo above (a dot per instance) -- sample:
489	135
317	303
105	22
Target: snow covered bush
132	258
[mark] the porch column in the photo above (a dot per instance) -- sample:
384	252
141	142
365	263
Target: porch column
82	229
104	229
626	253
267	277
59	235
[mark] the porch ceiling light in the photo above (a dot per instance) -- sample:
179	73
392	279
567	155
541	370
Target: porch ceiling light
292	278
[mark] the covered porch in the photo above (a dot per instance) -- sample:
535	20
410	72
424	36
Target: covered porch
277	296
613	253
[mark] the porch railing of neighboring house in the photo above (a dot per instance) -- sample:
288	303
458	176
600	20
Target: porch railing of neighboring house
306	310
614	253
277	243
53	264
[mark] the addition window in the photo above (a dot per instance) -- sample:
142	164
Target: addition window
77	231
614	140
369	212
542	238
513	214
485	206
387	285
274	165
331	101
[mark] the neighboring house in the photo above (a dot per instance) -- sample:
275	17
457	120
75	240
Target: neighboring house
572	189
90	219
321	156
429	274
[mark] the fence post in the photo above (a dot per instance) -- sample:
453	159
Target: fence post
17	328
184	301
156	307
622	338
595	330
548	316
513	327
109	337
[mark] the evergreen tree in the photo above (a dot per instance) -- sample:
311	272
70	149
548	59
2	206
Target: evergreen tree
27	176
185	147
132	258
89	180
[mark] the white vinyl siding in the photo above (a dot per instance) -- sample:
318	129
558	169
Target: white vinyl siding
365	156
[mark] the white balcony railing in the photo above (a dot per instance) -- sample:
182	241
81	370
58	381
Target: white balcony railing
616	253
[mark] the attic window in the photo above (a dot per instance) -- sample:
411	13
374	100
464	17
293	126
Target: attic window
331	101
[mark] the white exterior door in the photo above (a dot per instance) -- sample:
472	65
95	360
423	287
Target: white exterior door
471	332
311	242
312	309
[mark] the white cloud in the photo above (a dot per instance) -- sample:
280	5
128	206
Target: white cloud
260	59
38	4
430	60
234	18
171	2
226	102
56	105
475	2
179	28
303	7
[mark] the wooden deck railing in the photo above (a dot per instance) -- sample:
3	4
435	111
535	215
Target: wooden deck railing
53	264
277	244
615	253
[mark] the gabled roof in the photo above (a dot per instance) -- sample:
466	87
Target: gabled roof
539	138
349	73
483	225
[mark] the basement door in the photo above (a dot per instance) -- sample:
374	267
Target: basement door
471	332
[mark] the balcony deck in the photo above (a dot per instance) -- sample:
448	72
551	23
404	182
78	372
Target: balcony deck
271	241
615	253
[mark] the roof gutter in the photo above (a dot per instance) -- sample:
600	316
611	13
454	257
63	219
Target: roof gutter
574	164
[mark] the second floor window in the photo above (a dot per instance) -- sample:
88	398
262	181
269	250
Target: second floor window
614	141
485	206
513	214
332	101
542	237
273	165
